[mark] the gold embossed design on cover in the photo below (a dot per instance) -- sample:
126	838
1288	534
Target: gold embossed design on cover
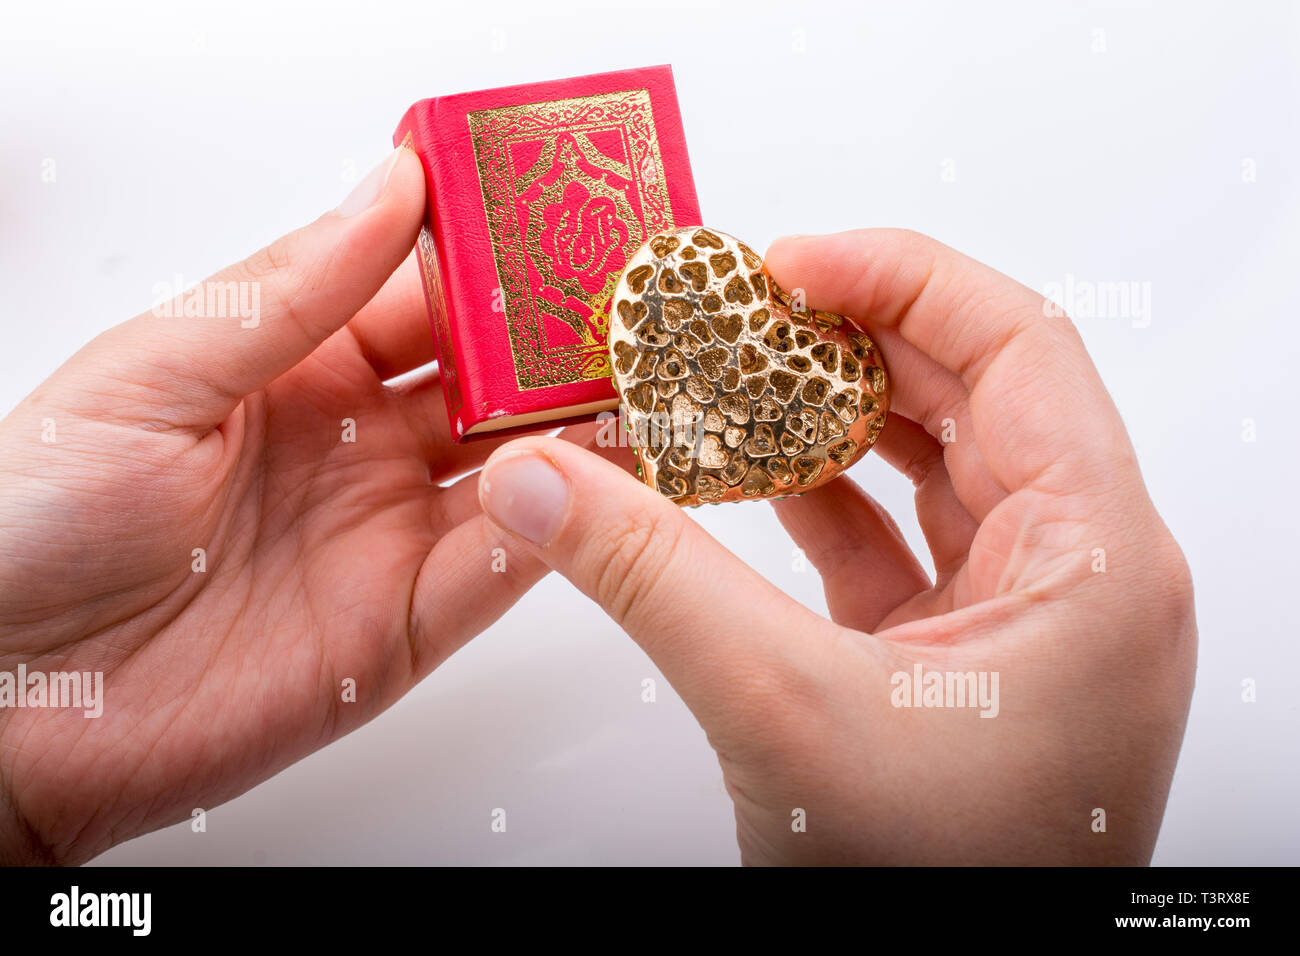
571	188
732	391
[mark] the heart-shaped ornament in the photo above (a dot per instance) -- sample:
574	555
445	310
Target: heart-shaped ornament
731	390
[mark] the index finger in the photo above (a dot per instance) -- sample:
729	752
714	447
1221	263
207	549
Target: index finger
1037	404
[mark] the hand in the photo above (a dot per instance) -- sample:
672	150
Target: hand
323	559
1037	492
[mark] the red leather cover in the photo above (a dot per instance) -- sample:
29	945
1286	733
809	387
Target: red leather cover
538	194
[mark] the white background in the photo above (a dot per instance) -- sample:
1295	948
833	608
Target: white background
1104	141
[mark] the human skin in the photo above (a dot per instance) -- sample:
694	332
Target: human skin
325	560
1053	571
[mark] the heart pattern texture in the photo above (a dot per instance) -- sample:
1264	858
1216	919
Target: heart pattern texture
733	390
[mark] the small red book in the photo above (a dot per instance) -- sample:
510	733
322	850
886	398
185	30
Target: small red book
537	197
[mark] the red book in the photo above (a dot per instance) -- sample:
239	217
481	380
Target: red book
538	195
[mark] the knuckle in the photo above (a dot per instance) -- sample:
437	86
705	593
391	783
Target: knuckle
787	694
1176	576
1165	619
781	686
270	261
911	239
633	558
922	462
283	279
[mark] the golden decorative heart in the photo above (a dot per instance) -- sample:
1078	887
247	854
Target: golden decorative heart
731	390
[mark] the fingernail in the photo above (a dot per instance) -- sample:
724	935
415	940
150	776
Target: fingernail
367	192
524	493
793	237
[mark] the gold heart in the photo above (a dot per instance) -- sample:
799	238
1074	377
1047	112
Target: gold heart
731	389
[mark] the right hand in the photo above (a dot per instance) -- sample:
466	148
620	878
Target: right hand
1095	669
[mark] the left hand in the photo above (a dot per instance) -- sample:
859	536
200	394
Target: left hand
324	559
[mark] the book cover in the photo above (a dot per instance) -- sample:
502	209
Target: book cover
537	196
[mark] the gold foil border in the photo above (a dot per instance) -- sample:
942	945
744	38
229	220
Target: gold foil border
536	363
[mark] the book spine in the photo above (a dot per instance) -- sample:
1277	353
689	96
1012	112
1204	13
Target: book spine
419	130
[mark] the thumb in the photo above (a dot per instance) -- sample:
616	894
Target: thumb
726	639
189	361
